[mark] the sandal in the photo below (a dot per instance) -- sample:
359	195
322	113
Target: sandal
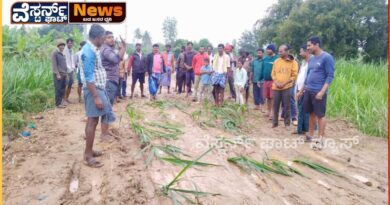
317	144
93	163
308	138
97	153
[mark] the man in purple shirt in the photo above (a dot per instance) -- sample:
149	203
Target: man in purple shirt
110	62
188	57
321	68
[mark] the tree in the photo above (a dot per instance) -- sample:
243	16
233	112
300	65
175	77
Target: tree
343	26
204	42
265	29
137	35
247	42
69	28
146	41
170	30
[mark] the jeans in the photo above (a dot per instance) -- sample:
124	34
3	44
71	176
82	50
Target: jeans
281	97
258	96
123	86
303	118
189	76
59	86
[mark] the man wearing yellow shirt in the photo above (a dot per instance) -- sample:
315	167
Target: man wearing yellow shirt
284	74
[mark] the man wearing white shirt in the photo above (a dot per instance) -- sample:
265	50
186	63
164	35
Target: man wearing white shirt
303	118
210	54
71	64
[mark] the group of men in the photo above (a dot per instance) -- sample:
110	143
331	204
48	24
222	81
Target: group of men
276	80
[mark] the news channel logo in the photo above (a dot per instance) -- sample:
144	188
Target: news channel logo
67	12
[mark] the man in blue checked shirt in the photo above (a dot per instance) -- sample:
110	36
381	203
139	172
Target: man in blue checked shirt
97	103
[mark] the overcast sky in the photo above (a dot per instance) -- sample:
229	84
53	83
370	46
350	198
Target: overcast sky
219	21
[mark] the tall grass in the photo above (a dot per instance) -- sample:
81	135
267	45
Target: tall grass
27	76
359	93
27	88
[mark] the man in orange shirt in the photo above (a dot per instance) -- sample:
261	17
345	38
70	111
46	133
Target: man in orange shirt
284	74
197	63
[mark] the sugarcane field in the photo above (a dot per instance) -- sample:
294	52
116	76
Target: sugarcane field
288	109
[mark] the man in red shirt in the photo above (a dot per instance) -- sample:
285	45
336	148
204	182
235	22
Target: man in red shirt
197	63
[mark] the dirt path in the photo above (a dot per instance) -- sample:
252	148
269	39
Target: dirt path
40	169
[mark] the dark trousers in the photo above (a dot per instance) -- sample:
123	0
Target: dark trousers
123	86
258	96
231	85
303	118
279	97
189	79
119	92
293	105
59	86
181	79
112	90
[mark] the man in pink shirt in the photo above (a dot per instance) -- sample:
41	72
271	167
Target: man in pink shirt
169	59
156	67
197	63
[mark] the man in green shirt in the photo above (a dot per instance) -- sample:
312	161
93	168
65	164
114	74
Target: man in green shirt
255	77
268	62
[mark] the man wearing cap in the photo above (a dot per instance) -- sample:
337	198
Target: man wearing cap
71	64
268	62
58	62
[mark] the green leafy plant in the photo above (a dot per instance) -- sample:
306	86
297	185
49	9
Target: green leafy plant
317	167
267	166
171	191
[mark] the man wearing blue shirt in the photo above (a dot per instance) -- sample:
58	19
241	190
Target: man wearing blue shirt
97	103
321	68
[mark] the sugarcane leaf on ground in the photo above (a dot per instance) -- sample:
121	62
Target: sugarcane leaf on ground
283	167
179	175
193	192
317	167
268	166
182	162
171	150
168	190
